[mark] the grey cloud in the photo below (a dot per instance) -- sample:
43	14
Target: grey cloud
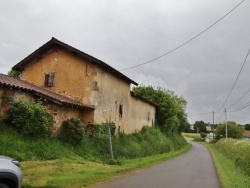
127	32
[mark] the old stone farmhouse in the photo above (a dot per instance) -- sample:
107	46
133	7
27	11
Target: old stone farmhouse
74	84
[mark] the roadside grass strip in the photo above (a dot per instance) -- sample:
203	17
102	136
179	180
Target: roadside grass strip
230	174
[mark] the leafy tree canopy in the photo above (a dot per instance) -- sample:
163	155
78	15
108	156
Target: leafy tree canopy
170	116
200	126
14	74
247	127
233	130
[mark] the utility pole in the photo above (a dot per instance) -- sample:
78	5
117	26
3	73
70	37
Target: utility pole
213	126
108	124
110	139
226	121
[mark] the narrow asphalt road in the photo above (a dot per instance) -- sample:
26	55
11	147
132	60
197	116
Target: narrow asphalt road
194	169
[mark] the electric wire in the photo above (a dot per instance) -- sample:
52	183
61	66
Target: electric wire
234	82
241	108
183	44
239	98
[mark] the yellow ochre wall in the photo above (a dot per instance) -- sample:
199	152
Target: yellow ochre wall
74	77
141	113
92	85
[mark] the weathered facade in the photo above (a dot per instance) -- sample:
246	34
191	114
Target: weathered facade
62	69
61	107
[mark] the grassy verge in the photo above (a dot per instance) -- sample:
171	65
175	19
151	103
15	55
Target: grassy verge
49	162
82	173
230	176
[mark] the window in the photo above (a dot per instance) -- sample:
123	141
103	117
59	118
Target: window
148	115
120	111
49	80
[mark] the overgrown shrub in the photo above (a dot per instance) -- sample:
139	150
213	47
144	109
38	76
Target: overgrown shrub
72	131
30	118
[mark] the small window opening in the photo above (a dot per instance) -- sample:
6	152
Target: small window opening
148	116
49	80
95	87
120	111
87	70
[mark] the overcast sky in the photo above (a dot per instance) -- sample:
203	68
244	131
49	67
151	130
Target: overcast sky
125	33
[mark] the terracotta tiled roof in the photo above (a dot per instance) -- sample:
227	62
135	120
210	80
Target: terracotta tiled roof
14	83
246	134
38	54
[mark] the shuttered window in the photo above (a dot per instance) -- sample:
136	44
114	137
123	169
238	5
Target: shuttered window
49	80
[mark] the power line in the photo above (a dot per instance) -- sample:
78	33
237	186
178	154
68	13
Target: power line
239	98
183	44
234	82
241	108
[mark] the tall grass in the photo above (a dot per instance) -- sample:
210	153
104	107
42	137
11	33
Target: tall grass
230	175
149	142
238	151
26	148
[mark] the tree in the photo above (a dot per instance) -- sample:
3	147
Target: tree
200	126
170	114
247	127
233	130
14	74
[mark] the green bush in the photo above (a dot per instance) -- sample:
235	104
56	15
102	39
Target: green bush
30	118
197	139
203	135
247	127
72	131
233	130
